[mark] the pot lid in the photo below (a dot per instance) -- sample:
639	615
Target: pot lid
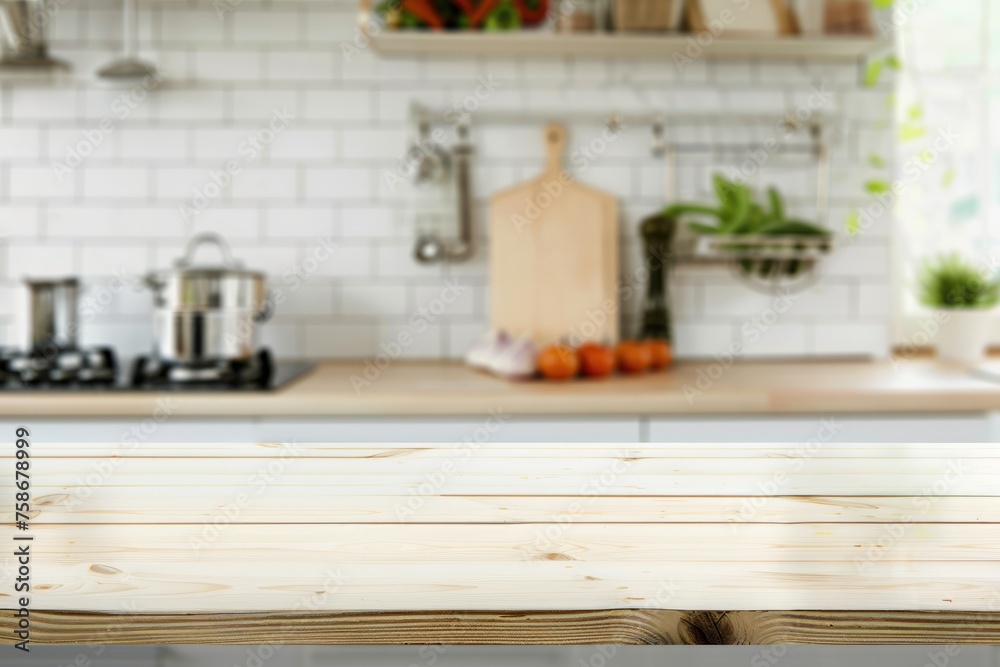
229	266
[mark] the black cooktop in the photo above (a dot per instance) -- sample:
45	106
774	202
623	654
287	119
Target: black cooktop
100	370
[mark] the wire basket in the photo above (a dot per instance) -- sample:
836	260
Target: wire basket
767	263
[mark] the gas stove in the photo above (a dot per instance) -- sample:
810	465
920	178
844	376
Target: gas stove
98	369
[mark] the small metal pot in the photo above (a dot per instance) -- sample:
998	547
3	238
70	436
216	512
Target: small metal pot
208	314
52	314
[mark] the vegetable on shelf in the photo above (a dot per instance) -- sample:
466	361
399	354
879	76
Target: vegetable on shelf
503	17
487	15
737	214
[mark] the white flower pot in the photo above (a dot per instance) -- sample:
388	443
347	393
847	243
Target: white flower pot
965	334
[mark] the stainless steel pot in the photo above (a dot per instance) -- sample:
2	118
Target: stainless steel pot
207	314
52	314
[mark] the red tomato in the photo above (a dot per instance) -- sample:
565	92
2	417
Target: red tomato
633	357
660	353
596	360
558	362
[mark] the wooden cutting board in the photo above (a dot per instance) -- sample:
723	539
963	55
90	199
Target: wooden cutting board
554	256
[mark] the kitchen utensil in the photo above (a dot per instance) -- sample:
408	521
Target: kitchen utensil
639	15
554	256
208	313
23	26
430	247
52	315
128	69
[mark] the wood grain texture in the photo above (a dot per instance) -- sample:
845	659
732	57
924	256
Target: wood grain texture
554	256
328	535
617	626
427	389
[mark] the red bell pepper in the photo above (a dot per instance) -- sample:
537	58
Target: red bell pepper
532	12
424	10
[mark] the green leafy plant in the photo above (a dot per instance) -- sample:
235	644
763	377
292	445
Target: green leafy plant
737	214
950	282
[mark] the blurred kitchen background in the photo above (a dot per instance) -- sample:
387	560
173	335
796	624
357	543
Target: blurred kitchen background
76	199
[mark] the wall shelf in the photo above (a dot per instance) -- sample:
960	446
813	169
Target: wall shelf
535	44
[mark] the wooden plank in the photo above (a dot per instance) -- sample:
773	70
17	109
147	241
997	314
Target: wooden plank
461	450
554	476
420	43
615	626
521	567
568	467
310	505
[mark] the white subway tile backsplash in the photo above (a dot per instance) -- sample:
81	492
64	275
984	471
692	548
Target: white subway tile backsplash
311	298
360	222
228	65
312	145
40	182
313	207
260	105
338	105
19	222
377	144
452	296
27	103
110	260
154	143
34	260
256	27
372	300
19	142
231	223
344	260
702	341
852	339
188	104
286	66
416	340
759	339
199	25
300	223
256	182
115	183
341	341
397	261
338	183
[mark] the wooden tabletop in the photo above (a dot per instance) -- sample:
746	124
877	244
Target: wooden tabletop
494	543
428	389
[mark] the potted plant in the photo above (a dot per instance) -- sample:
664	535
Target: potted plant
950	284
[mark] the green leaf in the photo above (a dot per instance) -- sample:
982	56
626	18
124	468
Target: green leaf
949	281
894	63
948	178
853	223
873	73
882	4
911	132
916	112
876	161
876	187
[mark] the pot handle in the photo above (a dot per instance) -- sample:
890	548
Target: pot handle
267	312
203	239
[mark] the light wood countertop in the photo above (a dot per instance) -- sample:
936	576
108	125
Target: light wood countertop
441	389
447	542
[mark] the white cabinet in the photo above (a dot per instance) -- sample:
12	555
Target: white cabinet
826	428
